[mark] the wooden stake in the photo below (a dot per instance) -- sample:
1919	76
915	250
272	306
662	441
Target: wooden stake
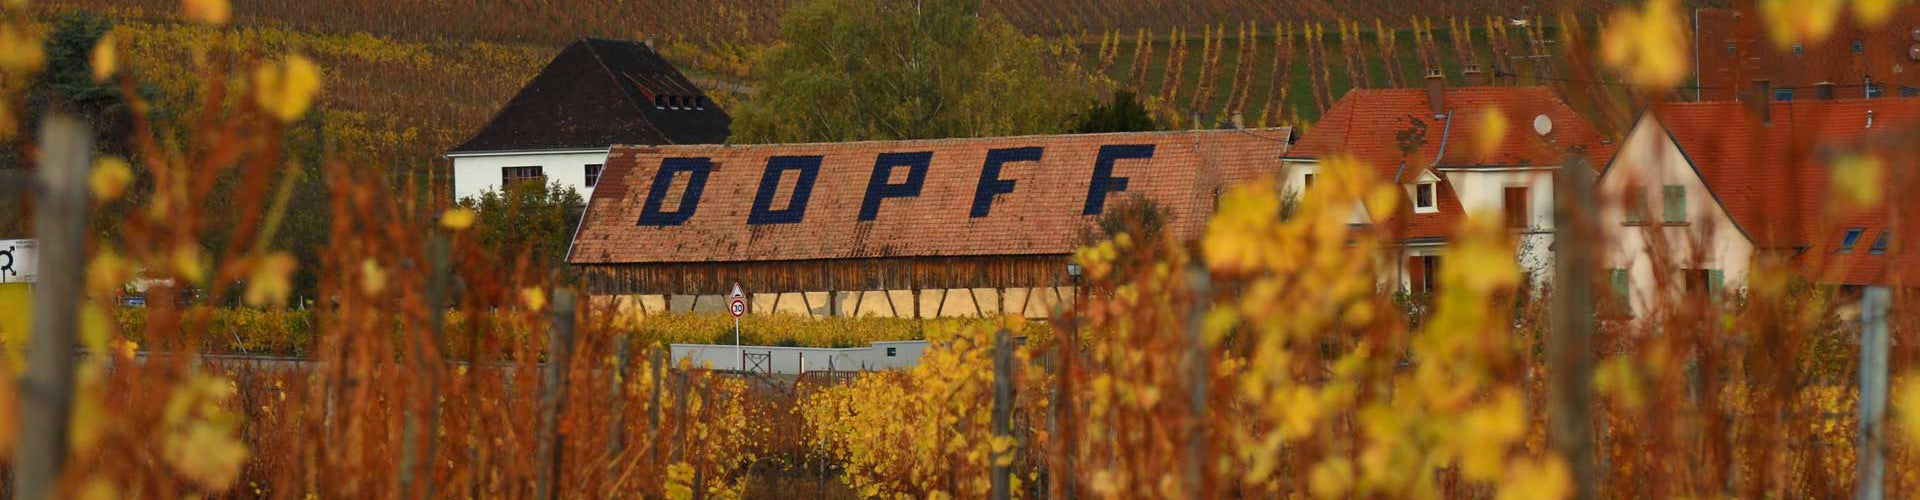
46	389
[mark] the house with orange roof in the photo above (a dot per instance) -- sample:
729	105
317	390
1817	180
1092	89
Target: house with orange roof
1426	140
911	228
1699	190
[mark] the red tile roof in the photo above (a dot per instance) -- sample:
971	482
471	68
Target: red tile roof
1397	133
1734	49
1041	215
1773	176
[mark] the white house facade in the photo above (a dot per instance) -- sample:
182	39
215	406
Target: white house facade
479	171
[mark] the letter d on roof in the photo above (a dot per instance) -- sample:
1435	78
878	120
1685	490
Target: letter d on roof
697	168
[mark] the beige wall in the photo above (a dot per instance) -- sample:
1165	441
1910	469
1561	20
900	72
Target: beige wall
1650	159
959	302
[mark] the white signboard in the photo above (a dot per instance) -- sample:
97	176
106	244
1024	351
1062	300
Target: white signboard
737	303
18	262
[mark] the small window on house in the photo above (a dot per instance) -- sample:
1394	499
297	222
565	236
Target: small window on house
511	176
699	102
1306	182
1875	90
1673	204
1618	285
1799	48
1782	94
1879	244
1636	208
891	352
1703	281
1858	46
1732	48
1423	196
659	102
1906	91
1423	273
1852	237
593	175
1514	201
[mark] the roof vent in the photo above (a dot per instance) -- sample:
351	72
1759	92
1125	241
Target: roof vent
1869	118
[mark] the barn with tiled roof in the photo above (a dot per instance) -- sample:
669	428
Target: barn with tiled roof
996	214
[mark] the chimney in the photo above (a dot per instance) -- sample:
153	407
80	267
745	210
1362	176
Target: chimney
1473	76
1436	92
1762	100
1823	91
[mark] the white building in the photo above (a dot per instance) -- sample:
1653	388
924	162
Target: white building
1700	190
1427	140
596	93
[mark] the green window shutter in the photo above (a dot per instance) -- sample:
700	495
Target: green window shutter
1619	286
1636	208
1673	201
1716	281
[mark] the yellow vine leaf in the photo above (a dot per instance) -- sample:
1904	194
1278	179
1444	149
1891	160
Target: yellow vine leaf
190	262
212	12
1872	13
110	178
457	218
1858	180
1648	46
373	278
1489	132
103	59
533	297
1542	480
1804	21
20	50
286	88
268	281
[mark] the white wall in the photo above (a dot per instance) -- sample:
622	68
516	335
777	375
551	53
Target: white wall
1482	193
1037	302
793	360
477	172
1650	159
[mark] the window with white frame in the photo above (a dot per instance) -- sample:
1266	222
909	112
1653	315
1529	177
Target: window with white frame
593	174
1425	197
510	176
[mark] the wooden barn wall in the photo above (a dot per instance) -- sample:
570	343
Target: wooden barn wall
710	278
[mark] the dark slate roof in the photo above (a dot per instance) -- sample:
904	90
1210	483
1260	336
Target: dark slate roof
598	93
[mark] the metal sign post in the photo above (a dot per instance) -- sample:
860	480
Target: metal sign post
737	304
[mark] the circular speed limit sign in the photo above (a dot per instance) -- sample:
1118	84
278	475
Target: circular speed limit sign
738	307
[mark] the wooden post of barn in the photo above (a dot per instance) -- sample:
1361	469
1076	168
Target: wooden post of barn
1873	393
46	389
1002	413
554	394
1569	343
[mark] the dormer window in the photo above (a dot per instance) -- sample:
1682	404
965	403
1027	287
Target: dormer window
1852	237
659	102
1423	197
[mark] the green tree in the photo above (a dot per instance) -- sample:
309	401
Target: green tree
908	69
528	218
68	82
1123	114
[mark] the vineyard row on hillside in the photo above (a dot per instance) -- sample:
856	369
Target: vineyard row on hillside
749	22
